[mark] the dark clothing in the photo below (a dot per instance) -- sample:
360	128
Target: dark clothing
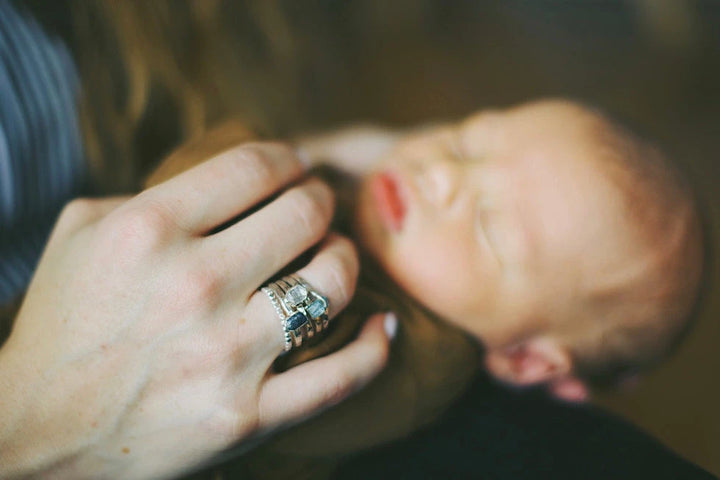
494	433
42	164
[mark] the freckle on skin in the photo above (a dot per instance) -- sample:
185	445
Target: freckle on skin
125	450
241	321
94	424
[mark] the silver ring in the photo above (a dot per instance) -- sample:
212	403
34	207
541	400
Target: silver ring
302	310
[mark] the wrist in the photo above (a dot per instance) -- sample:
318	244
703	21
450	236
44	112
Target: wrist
24	447
11	416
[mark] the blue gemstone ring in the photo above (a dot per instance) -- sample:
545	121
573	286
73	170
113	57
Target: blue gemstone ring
303	312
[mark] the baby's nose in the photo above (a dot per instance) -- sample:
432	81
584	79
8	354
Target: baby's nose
443	178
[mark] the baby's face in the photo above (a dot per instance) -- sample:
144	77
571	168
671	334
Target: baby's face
496	222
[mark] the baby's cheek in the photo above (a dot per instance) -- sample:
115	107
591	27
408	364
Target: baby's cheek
442	275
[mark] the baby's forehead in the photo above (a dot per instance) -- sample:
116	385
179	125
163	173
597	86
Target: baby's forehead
552	111
539	122
437	138
553	127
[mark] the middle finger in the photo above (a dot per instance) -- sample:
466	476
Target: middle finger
258	246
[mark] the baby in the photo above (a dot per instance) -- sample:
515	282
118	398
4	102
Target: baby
564	246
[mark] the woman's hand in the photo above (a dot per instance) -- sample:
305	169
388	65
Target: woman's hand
143	346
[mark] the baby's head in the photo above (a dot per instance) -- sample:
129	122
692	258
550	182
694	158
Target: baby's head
566	245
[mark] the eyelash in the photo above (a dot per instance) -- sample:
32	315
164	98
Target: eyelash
480	220
483	233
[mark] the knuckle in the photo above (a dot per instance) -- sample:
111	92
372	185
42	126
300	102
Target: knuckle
349	254
282	148
286	152
337	388
139	228
254	165
277	148
343	271
201	286
311	210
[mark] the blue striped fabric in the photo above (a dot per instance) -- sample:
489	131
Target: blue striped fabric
41	158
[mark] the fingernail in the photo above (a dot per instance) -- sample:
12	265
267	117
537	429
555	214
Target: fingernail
304	157
390	323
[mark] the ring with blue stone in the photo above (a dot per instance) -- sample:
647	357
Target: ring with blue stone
303	311
299	294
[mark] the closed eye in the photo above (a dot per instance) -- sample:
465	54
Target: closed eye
483	233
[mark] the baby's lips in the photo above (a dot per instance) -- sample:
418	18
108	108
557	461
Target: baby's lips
388	200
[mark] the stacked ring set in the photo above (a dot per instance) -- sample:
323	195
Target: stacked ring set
303	312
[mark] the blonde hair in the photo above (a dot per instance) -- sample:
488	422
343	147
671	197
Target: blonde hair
640	322
158	73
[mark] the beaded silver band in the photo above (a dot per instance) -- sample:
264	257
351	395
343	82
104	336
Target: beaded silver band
276	305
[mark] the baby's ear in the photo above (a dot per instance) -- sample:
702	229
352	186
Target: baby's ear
569	389
538	360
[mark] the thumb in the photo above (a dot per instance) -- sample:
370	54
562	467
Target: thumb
318	384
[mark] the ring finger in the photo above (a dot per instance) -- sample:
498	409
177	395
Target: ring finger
332	272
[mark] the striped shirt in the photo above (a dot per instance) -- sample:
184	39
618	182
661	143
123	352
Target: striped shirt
41	156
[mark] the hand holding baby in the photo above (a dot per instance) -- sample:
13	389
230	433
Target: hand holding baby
143	347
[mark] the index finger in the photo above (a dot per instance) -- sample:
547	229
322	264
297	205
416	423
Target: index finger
223	187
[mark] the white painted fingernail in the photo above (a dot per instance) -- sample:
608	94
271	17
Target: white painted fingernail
390	323
304	157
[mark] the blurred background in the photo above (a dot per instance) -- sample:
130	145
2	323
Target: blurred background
156	73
